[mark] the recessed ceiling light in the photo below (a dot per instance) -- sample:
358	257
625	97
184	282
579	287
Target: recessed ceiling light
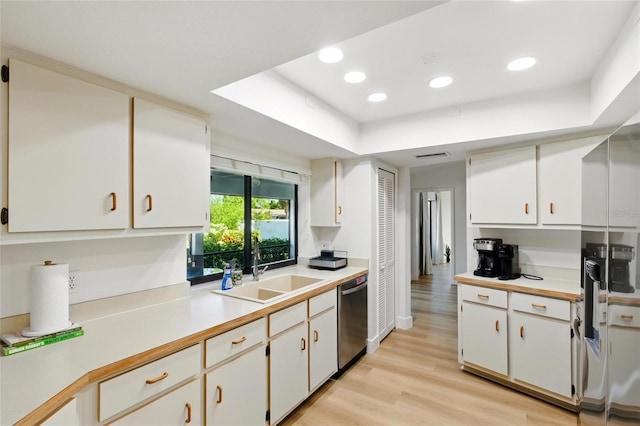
521	63
355	77
439	82
330	55
377	97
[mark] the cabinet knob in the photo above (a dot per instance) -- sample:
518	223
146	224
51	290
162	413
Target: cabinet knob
522	331
303	344
149	202
551	208
537	306
188	406
316	337
483	296
237	342
626	317
498	325
526	208
339	209
114	201
219	392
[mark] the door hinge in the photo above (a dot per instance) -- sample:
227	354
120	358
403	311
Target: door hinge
5	73
267	351
4	216
462	352
469	216
572	333
573	390
267	417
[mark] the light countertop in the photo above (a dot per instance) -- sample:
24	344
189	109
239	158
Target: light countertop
560	289
30	379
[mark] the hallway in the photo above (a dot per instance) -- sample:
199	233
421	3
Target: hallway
414	378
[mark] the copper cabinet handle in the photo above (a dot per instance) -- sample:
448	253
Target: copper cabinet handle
551	208
219	391
526	208
339	209
626	317
522	331
188	412
149	202
316	337
535	305
157	379
237	342
483	296
304	344
498	325
114	201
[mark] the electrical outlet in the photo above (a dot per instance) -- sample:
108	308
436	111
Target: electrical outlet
74	282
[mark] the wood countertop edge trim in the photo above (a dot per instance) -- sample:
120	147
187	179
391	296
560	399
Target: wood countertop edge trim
42	412
520	289
623	301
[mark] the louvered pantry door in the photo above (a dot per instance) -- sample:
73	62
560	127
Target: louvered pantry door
386	248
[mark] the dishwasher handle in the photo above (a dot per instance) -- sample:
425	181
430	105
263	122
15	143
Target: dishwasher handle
354	289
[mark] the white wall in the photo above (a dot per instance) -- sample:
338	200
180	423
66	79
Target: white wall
449	175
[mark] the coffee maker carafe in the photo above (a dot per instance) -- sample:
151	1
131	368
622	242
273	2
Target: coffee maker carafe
621	256
488	265
509	262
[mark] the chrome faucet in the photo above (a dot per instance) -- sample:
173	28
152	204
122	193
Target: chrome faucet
256	259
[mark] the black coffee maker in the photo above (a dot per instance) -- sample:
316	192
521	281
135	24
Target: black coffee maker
488	265
621	256
509	262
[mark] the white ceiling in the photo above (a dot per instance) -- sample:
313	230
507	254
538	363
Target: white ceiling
183	49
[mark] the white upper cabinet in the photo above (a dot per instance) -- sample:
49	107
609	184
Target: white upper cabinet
502	186
68	153
170	168
326	192
560	179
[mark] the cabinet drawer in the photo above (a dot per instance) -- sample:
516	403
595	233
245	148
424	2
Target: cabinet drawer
322	302
286	318
625	316
486	296
235	341
539	305
128	389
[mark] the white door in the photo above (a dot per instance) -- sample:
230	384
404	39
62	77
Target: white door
170	168
484	336
386	253
323	354
68	153
289	370
236	393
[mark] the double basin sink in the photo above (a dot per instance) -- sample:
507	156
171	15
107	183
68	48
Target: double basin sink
269	289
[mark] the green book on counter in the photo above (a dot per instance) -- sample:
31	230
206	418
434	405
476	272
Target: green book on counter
41	341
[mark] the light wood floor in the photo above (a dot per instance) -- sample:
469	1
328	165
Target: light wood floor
414	378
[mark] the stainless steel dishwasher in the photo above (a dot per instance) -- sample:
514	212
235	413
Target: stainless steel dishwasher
352	321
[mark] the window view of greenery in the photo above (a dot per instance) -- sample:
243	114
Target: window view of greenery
271	217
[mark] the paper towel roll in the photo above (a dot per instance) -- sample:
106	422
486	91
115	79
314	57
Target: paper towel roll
49	299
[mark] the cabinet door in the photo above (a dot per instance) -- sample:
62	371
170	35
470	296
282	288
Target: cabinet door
289	369
65	416
534	360
560	179
502	186
68	153
323	354
179	407
236	393
484	337
326	192
170	168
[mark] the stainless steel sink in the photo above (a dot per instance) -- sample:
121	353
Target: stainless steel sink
270	289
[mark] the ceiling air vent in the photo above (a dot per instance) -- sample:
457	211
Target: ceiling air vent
436	155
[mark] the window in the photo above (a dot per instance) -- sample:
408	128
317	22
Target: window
270	208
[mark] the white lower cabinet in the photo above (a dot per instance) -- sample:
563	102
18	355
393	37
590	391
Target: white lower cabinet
540	351
65	416
236	392
179	407
323	342
289	367
484	333
624	359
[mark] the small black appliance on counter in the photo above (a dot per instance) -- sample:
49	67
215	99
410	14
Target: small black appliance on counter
508	261
488	265
621	256
328	260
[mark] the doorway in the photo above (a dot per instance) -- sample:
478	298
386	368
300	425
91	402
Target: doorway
433	236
